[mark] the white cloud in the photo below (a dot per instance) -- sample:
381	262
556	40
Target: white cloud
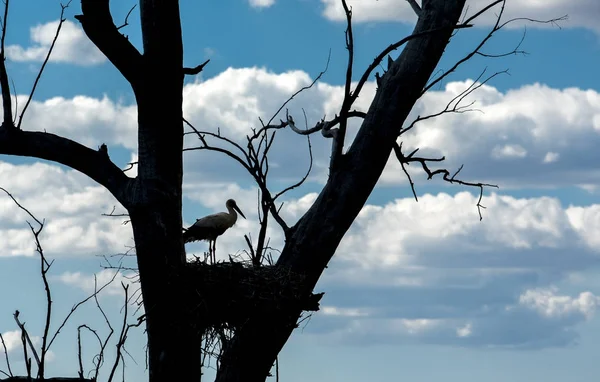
14	345
72	45
510	143
335	311
513	139
12	339
509	151
432	272
551	157
581	13
261	3
87	283
586	221
405	233
525	125
88	120
549	304
464	331
71	204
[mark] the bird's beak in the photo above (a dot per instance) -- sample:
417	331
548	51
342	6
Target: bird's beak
239	211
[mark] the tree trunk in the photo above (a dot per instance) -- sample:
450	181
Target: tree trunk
173	341
317	235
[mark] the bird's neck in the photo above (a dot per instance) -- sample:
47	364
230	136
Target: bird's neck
233	213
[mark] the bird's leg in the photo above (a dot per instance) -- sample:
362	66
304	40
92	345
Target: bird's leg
215	251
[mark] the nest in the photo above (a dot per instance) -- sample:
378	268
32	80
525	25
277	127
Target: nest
230	293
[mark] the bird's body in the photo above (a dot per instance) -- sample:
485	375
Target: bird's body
212	226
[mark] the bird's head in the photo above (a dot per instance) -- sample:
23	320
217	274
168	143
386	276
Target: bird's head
232	204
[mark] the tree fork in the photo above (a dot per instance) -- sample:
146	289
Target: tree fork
319	232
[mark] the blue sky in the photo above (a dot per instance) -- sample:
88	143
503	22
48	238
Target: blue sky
417	291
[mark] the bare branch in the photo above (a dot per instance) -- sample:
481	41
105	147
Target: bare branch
497	26
317	78
445	173
98	25
25	337
100	357
44	268
365	77
6	100
205	146
39	75
130	166
92	163
416	8
301	181
10	373
76	306
454	105
339	136
196	69
324	126
126	22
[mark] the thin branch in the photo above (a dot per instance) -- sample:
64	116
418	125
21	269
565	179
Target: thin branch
197	69
337	145
25	337
206	146
416	8
445	173
100	357
21	207
301	90
130	166
127	17
323	126
10	373
365	77
76	306
39	75
6	100
454	105
497	26
301	181
123	335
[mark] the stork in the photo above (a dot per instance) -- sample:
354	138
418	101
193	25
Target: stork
212	226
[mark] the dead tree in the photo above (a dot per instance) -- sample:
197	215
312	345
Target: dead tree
175	294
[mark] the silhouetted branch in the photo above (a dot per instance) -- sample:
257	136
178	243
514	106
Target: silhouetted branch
44	268
39	75
445	173
497	26
416	8
454	105
54	148
337	145
10	373
196	69
98	25
126	22
76	306
26	340
6	100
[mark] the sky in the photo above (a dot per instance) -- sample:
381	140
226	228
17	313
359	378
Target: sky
419	291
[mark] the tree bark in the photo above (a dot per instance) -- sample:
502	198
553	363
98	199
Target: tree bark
316	236
173	341
155	195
